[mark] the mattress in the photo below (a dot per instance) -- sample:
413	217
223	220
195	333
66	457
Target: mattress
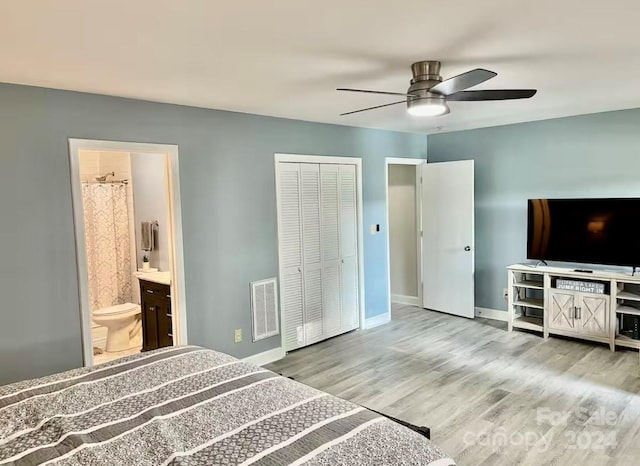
192	406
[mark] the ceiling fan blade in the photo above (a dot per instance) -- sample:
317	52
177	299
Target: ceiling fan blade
494	94
375	92
373	108
463	81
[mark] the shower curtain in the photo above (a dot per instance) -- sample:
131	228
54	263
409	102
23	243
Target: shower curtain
108	242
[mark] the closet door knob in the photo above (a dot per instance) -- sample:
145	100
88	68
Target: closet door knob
467	248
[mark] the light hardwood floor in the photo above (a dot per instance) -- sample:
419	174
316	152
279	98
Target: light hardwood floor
485	393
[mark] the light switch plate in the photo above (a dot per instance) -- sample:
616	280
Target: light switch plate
237	335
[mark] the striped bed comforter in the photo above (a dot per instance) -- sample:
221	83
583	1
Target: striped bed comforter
192	406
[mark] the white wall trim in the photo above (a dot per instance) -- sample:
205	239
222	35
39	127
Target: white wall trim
178	294
402	161
377	321
357	161
300	158
266	357
409	300
493	314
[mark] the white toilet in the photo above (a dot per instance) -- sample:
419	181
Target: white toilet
123	325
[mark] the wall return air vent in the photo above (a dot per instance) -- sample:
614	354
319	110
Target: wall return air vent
264	309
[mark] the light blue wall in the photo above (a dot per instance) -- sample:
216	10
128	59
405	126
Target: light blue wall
228	211
584	156
148	172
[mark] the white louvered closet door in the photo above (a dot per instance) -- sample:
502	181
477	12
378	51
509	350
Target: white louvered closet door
348	247
330	237
290	231
312	253
318	251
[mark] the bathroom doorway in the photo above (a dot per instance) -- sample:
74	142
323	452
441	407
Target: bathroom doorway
129	250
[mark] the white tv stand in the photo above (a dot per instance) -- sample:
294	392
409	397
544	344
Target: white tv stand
535	304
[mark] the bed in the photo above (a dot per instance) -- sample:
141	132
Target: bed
192	406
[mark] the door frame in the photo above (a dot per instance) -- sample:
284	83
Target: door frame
416	163
299	158
178	295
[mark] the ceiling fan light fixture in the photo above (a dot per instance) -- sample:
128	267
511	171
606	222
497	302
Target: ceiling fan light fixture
427	107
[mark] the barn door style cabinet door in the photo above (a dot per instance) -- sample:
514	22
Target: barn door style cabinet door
563	311
593	314
318	249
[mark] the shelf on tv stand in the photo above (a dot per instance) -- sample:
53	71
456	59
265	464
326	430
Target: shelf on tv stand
629	310
529	323
628	295
571	272
533	284
535	303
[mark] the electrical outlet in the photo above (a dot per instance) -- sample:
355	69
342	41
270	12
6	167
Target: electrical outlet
505	293
237	335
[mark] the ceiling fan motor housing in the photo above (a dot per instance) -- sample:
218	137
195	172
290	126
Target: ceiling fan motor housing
426	74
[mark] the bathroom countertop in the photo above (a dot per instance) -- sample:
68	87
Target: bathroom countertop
163	278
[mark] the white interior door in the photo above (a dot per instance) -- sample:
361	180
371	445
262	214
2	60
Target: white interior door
291	260
348	247
312	255
448	237
330	248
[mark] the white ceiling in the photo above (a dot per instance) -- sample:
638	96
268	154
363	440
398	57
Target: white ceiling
286	57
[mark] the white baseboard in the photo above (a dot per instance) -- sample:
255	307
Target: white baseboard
491	314
266	357
401	299
376	321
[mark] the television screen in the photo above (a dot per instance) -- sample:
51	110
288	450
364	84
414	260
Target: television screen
591	231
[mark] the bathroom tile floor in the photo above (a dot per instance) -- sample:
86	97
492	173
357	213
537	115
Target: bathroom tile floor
105	357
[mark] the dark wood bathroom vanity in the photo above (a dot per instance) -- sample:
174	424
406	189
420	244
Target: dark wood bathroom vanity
155	302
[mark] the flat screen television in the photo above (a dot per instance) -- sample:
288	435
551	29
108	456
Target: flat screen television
590	231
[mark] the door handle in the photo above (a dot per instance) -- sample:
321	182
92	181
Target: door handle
467	248
579	309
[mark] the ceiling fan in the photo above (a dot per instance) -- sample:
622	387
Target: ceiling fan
428	94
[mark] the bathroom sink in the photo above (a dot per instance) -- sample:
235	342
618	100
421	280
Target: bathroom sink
164	278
